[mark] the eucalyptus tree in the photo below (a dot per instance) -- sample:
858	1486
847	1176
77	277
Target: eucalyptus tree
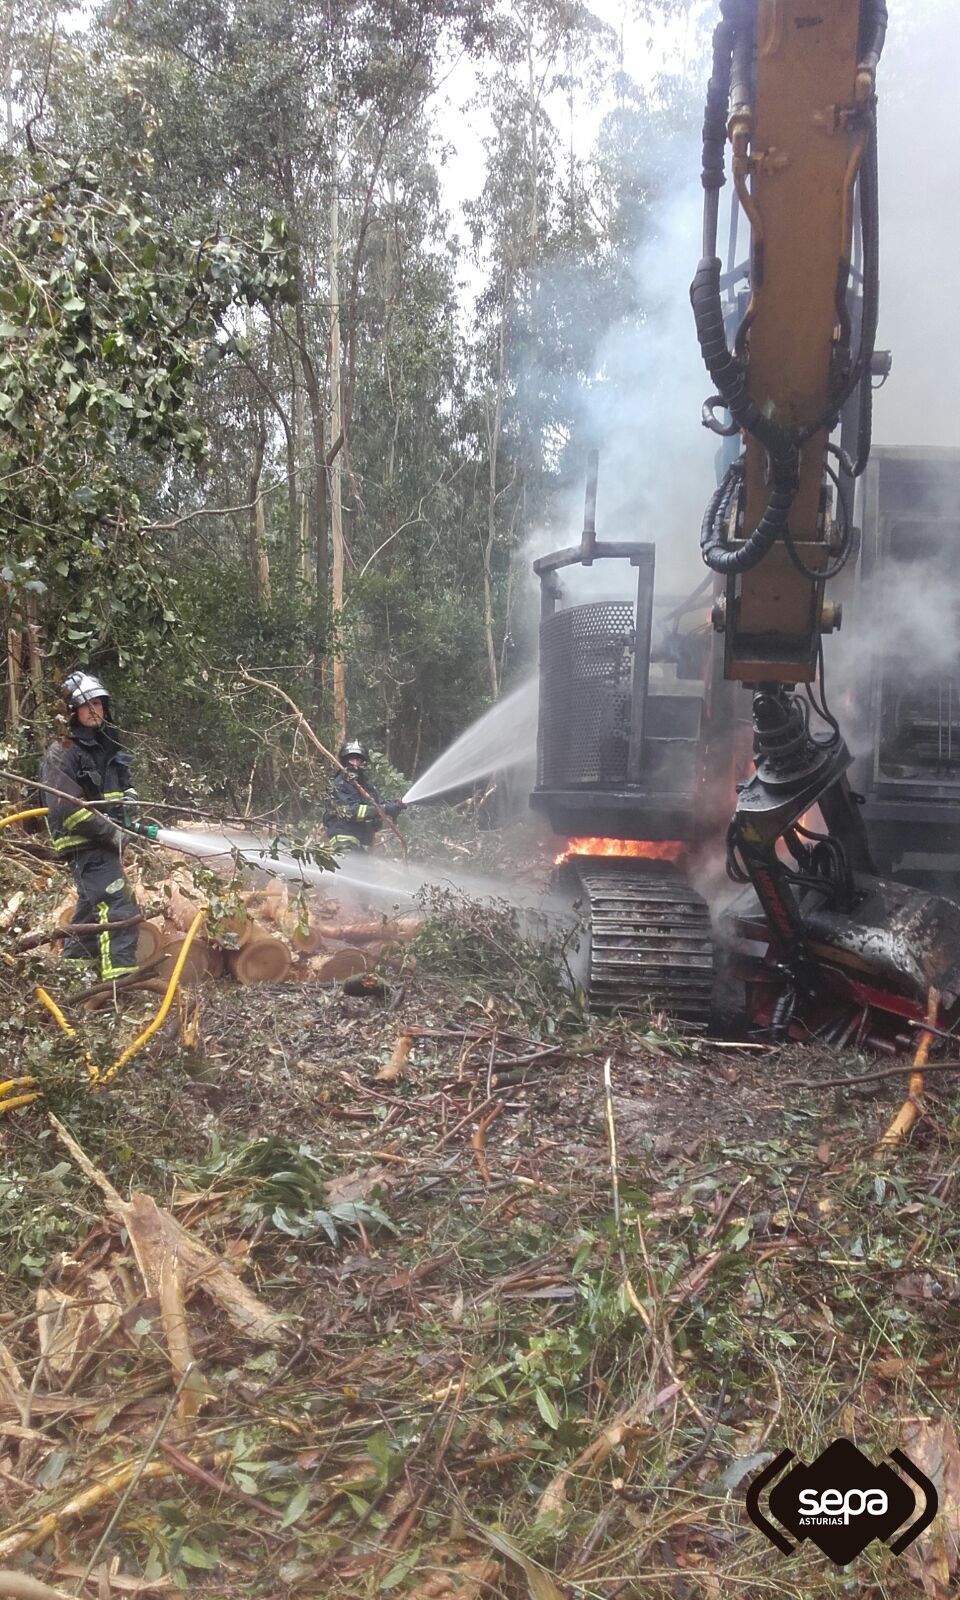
259	108
107	322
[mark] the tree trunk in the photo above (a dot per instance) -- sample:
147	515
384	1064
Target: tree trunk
317	475
317	500
336	465
256	535
8	73
35	640
13	680
318	517
388	277
262	960
303	566
294	518
263	558
532	252
494	429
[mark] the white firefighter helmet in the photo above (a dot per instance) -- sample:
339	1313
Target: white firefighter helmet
81	688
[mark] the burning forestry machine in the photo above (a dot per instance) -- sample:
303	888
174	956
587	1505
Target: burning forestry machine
822	943
635	741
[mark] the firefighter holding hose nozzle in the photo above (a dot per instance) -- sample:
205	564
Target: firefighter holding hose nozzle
89	765
352	819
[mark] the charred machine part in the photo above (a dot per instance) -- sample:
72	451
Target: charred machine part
622	766
905	670
795	94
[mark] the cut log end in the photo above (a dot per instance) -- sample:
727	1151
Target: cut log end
197	965
339	965
261	960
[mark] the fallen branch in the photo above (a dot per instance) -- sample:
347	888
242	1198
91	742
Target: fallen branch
17	1538
452	1132
20	1586
912	1107
701	1449
596	1453
629	1290
11	908
213	1480
868	1077
154	1234
130	980
139	1469
398	1060
400	1535
477	1142
30	941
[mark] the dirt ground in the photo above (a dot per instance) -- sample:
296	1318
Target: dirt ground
506	1363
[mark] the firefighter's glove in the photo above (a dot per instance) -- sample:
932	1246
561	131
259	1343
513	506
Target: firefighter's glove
146	830
393	809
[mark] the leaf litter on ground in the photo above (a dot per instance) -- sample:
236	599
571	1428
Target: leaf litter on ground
444	1337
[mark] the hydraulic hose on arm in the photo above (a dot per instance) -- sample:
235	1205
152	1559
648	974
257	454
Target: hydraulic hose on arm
731	53
870	229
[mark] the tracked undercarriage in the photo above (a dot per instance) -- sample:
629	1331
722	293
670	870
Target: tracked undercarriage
650	944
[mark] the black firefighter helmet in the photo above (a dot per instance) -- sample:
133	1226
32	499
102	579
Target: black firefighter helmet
353	750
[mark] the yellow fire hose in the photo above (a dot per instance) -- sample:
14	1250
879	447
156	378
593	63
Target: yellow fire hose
17	1099
165	1003
911	1108
96	1077
47	1000
93	1072
21	816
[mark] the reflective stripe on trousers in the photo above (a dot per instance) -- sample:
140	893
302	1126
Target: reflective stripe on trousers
107	969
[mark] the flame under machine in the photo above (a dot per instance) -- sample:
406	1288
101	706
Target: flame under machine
630	747
828	945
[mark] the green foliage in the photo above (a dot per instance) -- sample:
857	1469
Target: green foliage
495	948
35	1222
288	1185
109	317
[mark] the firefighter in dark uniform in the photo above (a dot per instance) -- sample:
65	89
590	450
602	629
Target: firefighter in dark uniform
88	764
350	819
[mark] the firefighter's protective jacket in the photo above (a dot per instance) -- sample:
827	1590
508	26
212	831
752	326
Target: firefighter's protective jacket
349	815
87	765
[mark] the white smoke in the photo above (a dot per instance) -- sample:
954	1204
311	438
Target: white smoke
919	157
658	467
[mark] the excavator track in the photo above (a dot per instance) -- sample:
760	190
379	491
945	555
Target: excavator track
651	945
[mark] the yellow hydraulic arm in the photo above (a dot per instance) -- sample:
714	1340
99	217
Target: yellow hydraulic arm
793	92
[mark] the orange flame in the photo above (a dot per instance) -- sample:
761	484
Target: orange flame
646	849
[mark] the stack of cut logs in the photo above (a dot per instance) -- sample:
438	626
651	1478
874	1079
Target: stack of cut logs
268	938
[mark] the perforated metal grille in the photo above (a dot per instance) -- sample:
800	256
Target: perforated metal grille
586	672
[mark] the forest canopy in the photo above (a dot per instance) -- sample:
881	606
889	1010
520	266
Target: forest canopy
277	384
